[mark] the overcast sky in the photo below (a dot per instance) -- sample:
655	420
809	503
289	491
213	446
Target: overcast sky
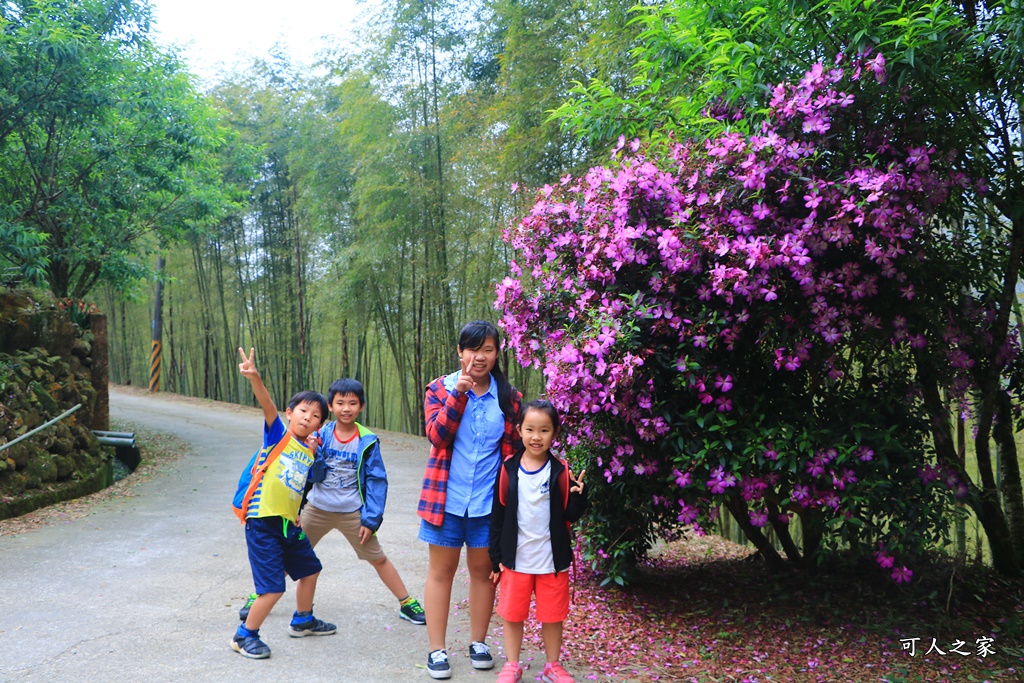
215	33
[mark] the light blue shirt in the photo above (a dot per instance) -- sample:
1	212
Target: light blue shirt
476	453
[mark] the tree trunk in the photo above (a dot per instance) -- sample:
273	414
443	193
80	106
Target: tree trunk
984	500
738	509
1009	470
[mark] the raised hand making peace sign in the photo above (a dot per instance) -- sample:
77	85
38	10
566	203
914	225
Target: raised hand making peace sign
248	365
577	482
465	381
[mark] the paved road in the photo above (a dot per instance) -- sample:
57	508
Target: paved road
148	588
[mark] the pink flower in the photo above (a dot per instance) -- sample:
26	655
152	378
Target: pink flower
877	65
902	575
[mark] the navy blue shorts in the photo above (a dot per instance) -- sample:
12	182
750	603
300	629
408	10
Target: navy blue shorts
275	549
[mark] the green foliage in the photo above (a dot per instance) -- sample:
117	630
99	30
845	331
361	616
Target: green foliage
104	142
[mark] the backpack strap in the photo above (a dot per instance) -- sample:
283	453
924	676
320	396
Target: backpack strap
502	483
257	473
563	478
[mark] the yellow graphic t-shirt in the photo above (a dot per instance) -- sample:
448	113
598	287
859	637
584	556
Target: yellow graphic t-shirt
280	491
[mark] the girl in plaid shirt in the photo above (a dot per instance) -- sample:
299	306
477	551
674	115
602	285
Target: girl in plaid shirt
470	417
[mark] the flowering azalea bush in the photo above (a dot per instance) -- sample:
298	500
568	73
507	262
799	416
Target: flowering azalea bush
732	323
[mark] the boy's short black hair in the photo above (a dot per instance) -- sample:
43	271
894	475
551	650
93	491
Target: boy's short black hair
347	385
310	397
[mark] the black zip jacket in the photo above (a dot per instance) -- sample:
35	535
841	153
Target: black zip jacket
504	527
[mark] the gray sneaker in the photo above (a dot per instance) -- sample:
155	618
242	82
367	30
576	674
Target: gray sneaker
480	655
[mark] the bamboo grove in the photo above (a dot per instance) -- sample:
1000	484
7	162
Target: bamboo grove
370	193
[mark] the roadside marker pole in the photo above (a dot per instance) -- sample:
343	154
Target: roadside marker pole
158	328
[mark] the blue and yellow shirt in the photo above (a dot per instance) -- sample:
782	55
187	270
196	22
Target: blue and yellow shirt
279	493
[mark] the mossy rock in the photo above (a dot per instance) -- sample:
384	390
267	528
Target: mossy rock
82	348
19	454
12	483
65	466
97	480
31	417
63	440
46	401
85	440
43	467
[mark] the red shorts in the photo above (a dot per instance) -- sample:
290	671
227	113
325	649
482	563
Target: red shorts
552	591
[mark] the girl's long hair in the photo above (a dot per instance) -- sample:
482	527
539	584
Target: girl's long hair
473	336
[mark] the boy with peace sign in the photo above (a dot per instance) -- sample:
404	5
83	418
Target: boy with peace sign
267	502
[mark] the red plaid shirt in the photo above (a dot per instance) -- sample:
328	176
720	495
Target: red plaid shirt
443	412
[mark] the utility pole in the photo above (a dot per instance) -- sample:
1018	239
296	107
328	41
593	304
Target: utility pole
158	328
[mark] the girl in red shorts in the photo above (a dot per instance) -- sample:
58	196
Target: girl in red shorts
535	499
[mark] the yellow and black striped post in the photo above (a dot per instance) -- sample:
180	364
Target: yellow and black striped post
154	366
156	349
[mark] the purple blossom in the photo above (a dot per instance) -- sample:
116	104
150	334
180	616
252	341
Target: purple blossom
653	291
902	575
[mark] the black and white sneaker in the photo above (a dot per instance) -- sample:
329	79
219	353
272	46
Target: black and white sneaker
480	655
437	664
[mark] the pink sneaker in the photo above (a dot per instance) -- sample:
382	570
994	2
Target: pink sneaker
555	673
511	673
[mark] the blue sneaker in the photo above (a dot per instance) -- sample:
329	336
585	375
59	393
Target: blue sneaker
438	666
305	624
248	644
480	655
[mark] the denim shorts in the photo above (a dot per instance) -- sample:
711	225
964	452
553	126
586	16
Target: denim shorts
454	532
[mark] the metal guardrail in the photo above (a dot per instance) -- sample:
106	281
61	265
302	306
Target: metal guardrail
124	445
40	427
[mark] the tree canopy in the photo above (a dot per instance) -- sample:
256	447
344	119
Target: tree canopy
105	144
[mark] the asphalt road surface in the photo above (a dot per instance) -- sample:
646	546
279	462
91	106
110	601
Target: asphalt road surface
147	588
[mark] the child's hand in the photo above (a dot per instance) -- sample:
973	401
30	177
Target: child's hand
577	483
312	442
496	576
248	365
465	381
364	534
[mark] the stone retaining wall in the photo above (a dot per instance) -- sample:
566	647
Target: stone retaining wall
51	358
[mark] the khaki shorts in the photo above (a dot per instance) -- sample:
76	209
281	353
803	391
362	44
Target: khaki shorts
316	523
